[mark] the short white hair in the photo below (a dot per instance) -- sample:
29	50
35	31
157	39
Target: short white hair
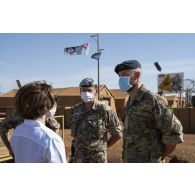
135	70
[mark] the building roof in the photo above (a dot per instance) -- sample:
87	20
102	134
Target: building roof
118	94
173	97
11	93
69	91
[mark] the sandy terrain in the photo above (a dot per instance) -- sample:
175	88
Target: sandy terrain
184	152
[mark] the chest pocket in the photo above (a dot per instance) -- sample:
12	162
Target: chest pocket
96	126
138	121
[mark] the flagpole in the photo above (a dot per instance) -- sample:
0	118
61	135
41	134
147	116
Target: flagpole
98	67
98	62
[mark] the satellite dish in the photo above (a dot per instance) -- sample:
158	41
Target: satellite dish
189	88
189	85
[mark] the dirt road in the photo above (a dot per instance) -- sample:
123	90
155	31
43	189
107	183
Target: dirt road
184	152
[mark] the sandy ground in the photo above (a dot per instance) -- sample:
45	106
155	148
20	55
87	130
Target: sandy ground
184	152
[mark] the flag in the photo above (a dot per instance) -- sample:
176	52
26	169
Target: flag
158	67
96	56
78	50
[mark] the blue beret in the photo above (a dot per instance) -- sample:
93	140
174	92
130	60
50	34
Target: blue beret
87	82
127	65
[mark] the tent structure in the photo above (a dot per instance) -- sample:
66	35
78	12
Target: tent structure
120	100
67	98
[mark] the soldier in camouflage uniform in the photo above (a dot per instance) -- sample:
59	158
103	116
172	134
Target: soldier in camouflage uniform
151	130
90	123
13	120
10	122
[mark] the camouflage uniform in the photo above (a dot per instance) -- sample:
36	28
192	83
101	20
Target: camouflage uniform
149	124
90	131
13	120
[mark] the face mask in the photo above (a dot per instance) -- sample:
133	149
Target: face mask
124	83
52	111
87	96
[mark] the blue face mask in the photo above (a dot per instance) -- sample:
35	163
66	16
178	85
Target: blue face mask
124	83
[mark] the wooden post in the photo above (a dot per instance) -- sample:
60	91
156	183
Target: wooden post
180	100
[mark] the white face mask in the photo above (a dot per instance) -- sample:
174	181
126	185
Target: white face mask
87	96
52	111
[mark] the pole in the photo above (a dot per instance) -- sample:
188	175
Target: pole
98	67
186	98
179	105
98	61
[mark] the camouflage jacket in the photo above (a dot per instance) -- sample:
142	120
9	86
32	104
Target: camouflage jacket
90	127
13	120
149	124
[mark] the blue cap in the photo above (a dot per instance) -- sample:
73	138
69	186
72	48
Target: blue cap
127	65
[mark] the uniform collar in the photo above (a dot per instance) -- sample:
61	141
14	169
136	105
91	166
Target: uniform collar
139	95
141	91
94	107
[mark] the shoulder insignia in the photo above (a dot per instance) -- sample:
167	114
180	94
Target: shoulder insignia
161	102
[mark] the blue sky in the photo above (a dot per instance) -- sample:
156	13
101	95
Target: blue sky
30	57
